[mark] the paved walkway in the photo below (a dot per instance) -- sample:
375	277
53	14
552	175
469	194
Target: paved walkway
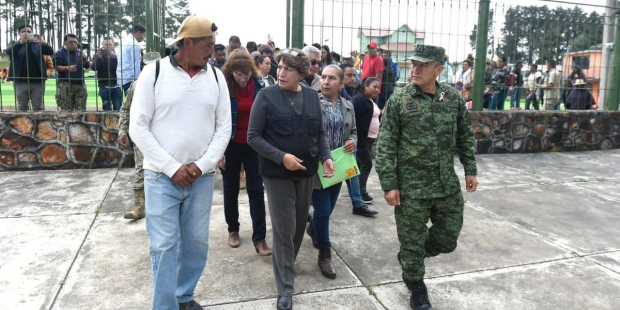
542	232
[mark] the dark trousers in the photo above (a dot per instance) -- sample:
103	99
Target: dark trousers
289	201
237	154
531	98
324	202
487	100
364	161
126	87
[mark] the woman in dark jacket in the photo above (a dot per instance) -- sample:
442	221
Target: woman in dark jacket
367	119
580	98
243	85
286	130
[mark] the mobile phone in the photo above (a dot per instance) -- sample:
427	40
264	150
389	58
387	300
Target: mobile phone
105	52
30	36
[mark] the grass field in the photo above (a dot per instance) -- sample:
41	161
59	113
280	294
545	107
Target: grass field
7	94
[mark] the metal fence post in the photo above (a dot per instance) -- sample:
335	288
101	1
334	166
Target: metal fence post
288	23
612	100
155	26
482	35
298	24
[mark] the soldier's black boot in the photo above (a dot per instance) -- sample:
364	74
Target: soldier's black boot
419	295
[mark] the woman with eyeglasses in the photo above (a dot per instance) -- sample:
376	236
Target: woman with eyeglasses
243	84
264	67
286	130
339	123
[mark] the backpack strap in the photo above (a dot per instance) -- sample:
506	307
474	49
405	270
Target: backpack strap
156	72
214	74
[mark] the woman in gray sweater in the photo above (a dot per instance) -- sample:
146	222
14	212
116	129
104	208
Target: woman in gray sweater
287	132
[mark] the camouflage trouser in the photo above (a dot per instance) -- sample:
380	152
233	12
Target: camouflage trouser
417	241
138	181
71	96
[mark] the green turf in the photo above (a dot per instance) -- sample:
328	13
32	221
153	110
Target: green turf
7	95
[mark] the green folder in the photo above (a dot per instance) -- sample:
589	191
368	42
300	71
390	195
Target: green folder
346	168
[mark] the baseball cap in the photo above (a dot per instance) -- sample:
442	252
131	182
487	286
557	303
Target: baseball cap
428	53
372	44
195	27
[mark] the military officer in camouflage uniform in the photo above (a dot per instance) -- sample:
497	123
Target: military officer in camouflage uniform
428	122
138	210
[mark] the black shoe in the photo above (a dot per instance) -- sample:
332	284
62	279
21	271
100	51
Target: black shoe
190	305
364	211
367	199
310	232
285	303
419	296
326	265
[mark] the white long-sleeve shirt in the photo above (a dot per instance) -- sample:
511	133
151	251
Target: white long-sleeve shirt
182	119
129	55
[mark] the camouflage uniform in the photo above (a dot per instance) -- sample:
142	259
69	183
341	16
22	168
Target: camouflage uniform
138	183
428	132
71	96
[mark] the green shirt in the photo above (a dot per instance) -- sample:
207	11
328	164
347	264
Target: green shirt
418	140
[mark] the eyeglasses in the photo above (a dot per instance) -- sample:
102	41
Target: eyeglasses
314	62
291	52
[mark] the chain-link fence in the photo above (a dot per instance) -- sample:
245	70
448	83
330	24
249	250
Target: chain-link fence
79	54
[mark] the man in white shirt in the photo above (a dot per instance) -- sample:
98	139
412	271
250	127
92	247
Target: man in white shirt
551	87
181	121
130	55
532	81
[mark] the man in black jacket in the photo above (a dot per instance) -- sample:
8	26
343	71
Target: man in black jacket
105	64
27	69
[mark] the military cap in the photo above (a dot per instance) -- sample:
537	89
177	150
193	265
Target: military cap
428	53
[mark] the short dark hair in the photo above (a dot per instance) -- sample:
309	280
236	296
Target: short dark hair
108	38
265	50
519	62
551	62
22	27
345	66
234	39
317	45
251	45
469	62
69	35
388	52
534	65
219	47
503	58
259	60
138	28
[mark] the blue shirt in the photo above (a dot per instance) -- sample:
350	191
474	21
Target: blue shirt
129	56
63	57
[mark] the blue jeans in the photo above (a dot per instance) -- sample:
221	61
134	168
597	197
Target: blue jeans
324	202
353	185
497	101
237	154
531	98
113	95
177	224
516	97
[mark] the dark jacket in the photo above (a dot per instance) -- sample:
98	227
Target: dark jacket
388	80
579	99
277	128
106	70
364	109
234	105
17	52
63	57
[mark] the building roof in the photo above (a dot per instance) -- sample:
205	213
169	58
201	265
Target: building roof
372	32
398	47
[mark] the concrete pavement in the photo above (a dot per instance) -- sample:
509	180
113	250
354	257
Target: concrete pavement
541	232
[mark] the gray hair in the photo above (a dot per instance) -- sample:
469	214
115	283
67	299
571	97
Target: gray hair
338	69
311	50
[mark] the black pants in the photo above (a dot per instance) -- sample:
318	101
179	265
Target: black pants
237	154
364	161
487	101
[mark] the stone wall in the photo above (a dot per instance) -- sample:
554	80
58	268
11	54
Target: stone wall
58	140
539	131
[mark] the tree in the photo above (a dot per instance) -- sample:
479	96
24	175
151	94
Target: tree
176	12
491	38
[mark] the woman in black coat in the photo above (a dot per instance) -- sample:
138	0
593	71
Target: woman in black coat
367	119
